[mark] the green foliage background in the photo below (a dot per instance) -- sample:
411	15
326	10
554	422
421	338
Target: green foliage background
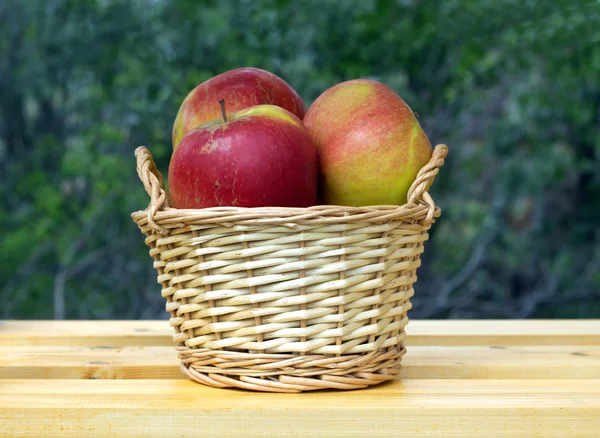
512	86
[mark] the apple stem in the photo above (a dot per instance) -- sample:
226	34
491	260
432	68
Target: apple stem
222	104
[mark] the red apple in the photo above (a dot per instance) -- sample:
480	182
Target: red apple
260	156
371	146
240	88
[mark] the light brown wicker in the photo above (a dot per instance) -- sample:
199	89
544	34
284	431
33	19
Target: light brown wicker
288	299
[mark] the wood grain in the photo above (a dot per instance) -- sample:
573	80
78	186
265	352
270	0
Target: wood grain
419	333
514	362
449	408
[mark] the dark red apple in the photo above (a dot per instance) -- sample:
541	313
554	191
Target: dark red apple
260	156
241	88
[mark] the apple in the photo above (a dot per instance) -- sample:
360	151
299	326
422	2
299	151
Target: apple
257	157
240	88
371	146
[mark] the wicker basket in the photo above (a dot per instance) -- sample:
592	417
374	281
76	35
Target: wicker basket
288	299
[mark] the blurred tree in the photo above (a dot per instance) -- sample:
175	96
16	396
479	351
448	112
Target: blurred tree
512	87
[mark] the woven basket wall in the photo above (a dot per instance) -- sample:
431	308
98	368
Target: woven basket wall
288	299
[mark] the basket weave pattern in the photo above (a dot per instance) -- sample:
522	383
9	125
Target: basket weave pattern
288	299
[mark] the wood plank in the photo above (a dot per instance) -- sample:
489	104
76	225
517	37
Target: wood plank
85	333
511	362
514	362
504	332
449	408
419	333
62	362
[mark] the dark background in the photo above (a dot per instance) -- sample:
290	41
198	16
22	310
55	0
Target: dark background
513	87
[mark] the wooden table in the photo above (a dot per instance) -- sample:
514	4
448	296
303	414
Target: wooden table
459	378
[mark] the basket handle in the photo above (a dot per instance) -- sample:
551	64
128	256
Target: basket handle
426	176
153	183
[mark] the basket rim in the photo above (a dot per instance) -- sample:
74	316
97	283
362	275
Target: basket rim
324	214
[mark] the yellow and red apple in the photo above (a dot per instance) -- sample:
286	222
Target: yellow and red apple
371	146
241	88
257	157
